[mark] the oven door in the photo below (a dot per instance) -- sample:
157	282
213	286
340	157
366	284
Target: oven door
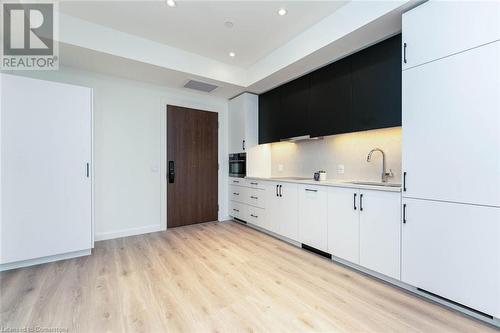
237	168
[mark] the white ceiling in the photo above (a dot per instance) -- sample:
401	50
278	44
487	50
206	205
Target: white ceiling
198	26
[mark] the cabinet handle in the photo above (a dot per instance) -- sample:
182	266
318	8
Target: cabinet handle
236	210
243	144
281	193
404	213
254	183
235	181
361	202
404	181
309	190
277	194
354	201
253	215
252	197
88	170
404	53
236	193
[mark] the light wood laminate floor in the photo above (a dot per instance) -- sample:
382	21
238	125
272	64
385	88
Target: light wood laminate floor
213	277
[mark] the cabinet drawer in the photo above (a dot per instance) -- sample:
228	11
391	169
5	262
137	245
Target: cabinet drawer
255	184
238	193
237	210
256	216
237	181
256	197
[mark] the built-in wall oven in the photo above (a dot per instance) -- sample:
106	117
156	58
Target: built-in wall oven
238	165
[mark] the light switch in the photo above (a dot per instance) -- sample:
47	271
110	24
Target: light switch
340	169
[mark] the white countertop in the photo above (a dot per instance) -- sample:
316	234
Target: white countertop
328	182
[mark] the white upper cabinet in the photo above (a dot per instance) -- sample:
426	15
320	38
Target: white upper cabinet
313	216
453	250
380	232
343	223
438	29
243	123
451	128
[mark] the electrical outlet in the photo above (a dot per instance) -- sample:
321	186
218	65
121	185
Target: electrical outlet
340	169
280	167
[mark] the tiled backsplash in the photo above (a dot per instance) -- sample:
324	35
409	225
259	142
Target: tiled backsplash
348	150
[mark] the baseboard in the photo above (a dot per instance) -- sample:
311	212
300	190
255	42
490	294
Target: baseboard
44	260
128	232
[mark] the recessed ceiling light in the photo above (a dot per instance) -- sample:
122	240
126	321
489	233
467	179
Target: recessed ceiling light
232	54
171	3
282	12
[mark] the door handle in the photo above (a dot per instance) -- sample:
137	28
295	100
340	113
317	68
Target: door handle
404	213
354	201
404	181
171	172
361	202
404	53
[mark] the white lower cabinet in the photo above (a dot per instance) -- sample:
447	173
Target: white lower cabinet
237	210
256	216
282	209
364	228
380	232
343	223
313	216
452	250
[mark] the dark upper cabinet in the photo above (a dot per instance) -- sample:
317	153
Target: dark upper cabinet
269	116
295	108
330	103
376	86
359	92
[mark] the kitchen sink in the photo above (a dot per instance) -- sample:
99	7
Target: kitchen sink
376	184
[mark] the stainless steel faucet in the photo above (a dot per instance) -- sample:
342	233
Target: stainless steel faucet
385	174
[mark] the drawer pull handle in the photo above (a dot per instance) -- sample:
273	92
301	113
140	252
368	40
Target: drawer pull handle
254	183
253	215
236	210
236	193
236	181
309	190
252	197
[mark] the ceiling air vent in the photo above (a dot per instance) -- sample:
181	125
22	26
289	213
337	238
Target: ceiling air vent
200	86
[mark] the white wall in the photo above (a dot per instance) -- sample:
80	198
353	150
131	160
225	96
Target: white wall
130	149
302	159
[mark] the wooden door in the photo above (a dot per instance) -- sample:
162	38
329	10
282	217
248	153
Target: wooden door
192	166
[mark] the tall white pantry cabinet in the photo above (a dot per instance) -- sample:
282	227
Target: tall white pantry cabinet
451	152
46	171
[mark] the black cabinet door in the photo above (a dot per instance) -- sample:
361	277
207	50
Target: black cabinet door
376	86
330	103
294	108
269	116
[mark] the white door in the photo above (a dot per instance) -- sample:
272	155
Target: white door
45	168
343	223
236	125
452	250
313	208
380	232
437	29
451	128
288	222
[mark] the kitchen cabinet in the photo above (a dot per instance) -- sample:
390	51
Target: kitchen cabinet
238	210
343	223
376	86
256	216
364	228
282	210
243	123
359	92
424	41
451	123
453	250
330	103
380	232
313	216
238	193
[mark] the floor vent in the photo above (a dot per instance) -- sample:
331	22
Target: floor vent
455	303
200	86
314	250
